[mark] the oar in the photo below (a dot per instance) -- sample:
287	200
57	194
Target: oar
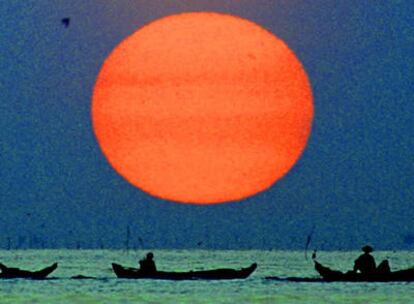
308	240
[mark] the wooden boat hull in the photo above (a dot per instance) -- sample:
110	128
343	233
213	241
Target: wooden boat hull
329	275
406	275
215	274
15	273
296	279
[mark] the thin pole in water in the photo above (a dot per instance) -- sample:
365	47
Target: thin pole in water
128	234
308	241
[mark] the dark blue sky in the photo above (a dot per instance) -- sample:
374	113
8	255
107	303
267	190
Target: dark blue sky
354	181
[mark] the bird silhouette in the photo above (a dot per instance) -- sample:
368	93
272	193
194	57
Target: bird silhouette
66	21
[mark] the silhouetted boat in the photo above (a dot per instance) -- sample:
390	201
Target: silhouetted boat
329	275
295	279
334	275
15	273
215	274
82	277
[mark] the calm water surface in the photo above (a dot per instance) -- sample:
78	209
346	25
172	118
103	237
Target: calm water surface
107	289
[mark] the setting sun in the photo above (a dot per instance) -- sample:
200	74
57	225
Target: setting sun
202	108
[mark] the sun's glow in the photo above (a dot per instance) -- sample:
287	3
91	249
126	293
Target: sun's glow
202	108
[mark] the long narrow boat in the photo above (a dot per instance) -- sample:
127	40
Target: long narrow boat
329	275
214	274
405	275
295	279
16	273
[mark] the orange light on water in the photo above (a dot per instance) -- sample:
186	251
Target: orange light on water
202	108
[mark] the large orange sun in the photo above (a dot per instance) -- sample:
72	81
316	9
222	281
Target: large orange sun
202	108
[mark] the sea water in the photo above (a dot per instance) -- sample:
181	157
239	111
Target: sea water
106	288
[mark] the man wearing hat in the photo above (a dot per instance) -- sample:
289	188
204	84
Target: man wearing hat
365	263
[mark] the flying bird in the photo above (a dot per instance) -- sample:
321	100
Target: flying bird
66	21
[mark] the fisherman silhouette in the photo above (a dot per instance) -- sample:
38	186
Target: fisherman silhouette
384	267
147	265
365	263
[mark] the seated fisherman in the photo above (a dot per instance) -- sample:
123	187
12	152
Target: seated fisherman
147	265
384	268
365	263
